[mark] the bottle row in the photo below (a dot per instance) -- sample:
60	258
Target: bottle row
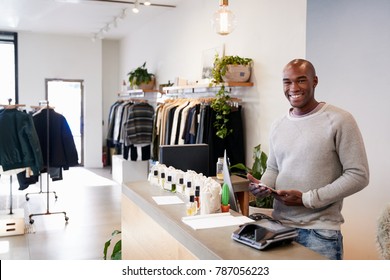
202	194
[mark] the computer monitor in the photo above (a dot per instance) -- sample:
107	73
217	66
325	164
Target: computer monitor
226	179
186	157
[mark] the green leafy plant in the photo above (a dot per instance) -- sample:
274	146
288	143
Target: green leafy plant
140	75
222	103
221	65
221	106
117	250
225	194
258	168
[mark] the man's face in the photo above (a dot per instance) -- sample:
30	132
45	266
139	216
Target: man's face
298	85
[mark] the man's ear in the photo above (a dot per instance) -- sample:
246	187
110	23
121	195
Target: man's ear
315	81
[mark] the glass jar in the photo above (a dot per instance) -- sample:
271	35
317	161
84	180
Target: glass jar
220	168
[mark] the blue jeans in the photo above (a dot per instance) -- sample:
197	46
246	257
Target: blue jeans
328	243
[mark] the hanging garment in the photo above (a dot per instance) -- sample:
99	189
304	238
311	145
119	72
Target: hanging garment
61	148
138	131
19	142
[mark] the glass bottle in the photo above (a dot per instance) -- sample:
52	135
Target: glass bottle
191	206
220	168
169	185
188	190
180	187
197	194
162	180
154	181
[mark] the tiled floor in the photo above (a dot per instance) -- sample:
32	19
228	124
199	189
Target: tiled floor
91	201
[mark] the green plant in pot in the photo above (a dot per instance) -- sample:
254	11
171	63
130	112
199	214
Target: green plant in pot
222	68
222	102
258	168
116	253
141	78
225	206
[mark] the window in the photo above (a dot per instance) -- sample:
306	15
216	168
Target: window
8	68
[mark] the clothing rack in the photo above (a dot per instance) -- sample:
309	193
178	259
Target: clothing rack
11	106
46	104
36	109
40	190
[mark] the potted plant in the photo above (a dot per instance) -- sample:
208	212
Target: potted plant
223	72
141	78
225	206
258	168
231	69
116	253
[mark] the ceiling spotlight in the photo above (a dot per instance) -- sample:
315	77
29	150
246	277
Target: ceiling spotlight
224	20
147	3
136	7
124	13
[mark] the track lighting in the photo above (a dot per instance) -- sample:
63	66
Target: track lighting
124	13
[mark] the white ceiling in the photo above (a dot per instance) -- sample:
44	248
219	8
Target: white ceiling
77	17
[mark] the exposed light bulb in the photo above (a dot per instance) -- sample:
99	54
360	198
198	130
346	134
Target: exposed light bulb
135	8
224	20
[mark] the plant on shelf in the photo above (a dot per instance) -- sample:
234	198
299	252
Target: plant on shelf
258	168
222	65
117	250
225	198
140	77
222	102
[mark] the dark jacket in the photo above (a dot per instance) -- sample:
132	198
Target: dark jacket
19	143
61	146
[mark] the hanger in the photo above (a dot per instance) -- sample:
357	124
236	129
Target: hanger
12	106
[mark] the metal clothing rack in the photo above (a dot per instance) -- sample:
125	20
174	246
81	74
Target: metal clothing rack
46	103
40	190
11	106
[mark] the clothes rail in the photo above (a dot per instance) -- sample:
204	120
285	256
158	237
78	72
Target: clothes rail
46	105
37	108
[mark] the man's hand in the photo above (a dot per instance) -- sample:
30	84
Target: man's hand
256	189
289	197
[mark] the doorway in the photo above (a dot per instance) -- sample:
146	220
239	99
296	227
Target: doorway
66	96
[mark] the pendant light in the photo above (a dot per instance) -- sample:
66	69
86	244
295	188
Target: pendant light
224	20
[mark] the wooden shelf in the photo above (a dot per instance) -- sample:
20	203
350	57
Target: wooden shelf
203	87
136	92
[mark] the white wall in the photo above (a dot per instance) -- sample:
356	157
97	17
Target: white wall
172	46
66	57
111	79
349	43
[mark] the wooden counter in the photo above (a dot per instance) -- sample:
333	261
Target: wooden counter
151	231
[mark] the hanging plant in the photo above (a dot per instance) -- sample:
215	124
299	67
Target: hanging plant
222	103
222	109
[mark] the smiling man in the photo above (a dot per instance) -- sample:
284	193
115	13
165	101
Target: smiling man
316	159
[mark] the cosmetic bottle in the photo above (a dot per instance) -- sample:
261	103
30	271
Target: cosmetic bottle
191	206
169	185
162	180
188	191
180	187
220	168
154	178
197	194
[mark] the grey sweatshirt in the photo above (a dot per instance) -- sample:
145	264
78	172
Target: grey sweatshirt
323	156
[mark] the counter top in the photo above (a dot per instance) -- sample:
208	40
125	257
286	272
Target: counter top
213	243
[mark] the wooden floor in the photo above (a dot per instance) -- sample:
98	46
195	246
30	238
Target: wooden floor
89	198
